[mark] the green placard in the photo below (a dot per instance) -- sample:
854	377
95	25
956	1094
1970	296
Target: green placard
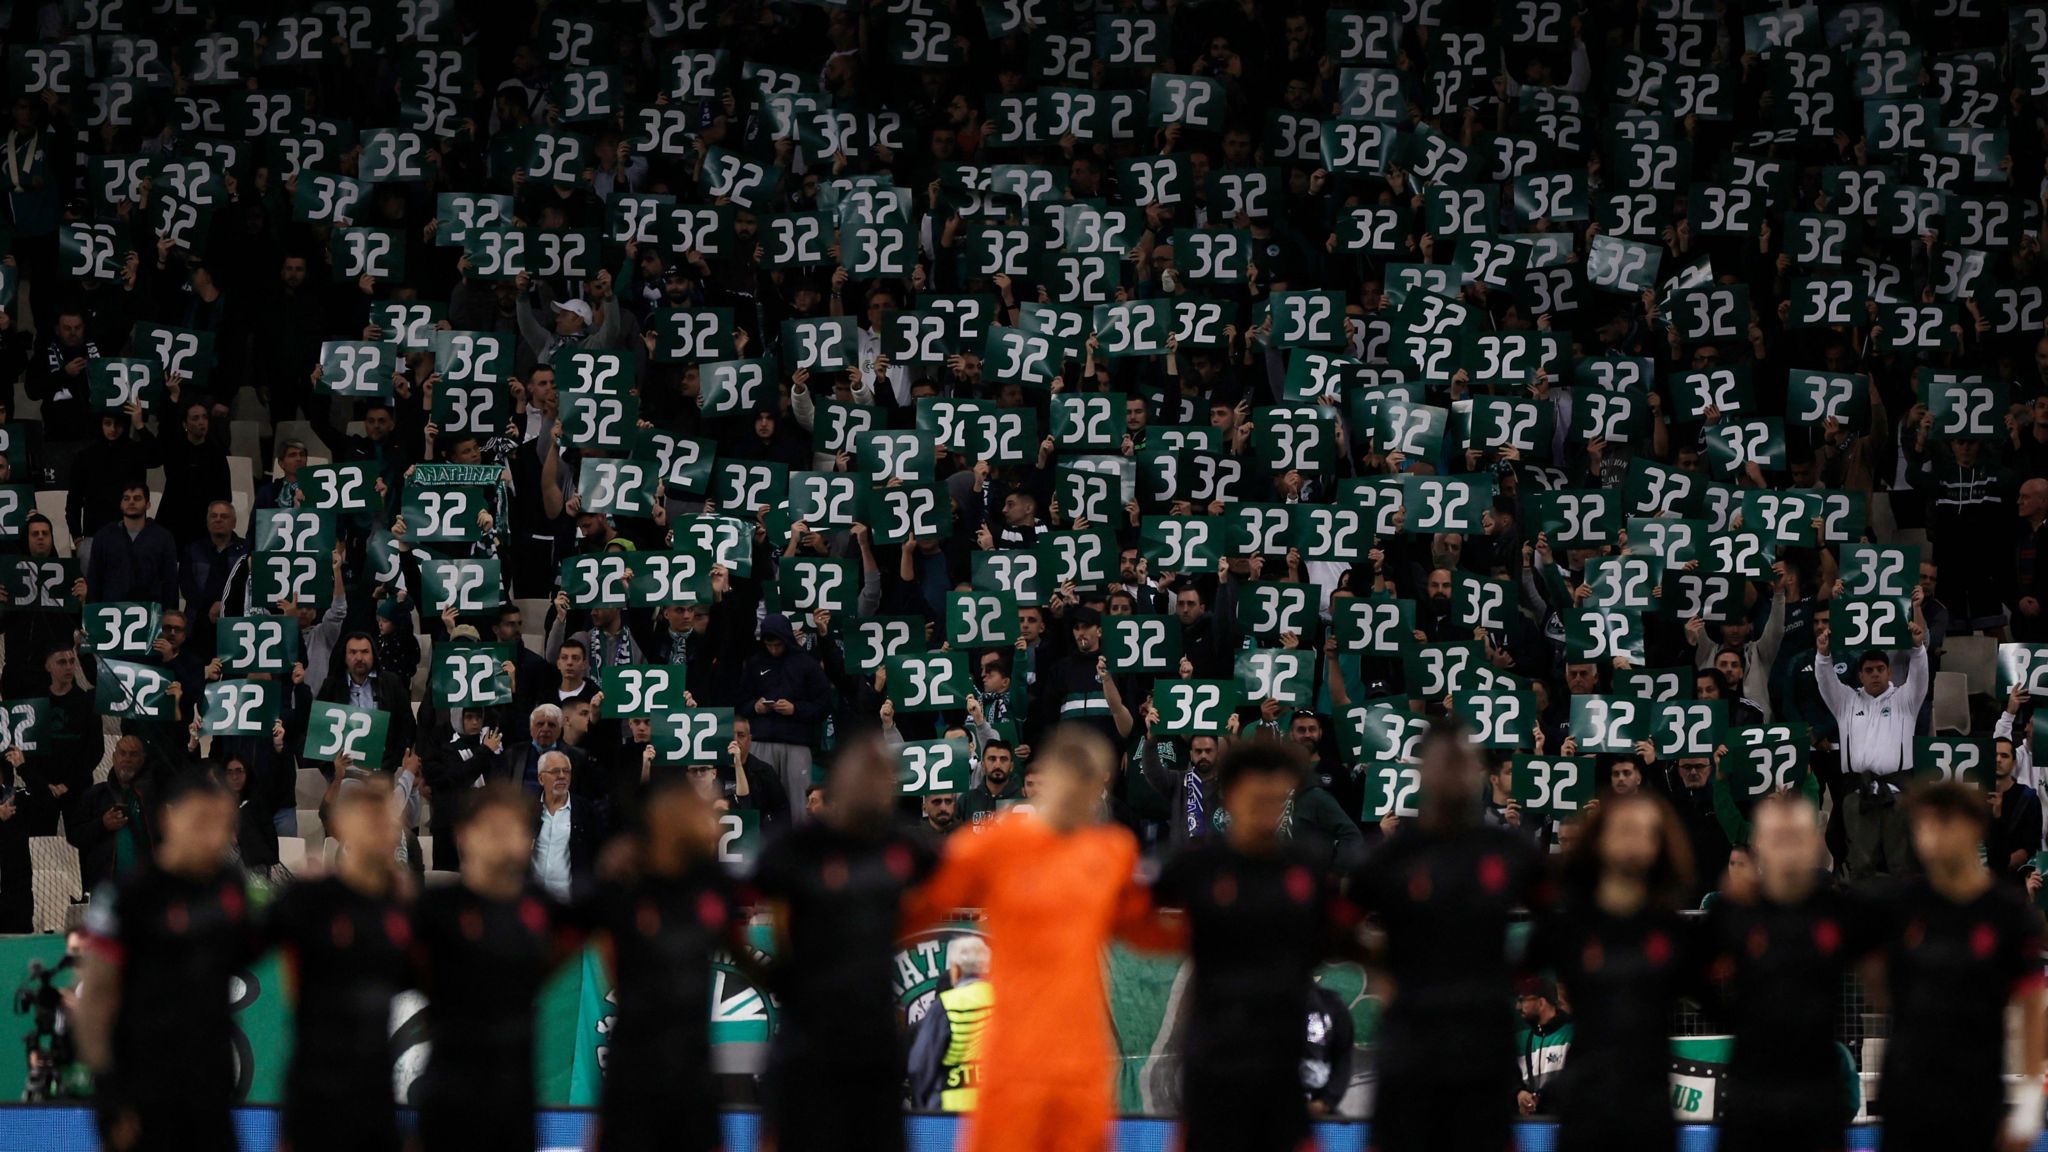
1944	759
693	736
981	619
1434	671
240	707
251	644
1194	707
1498	719
444	515
40	584
659	579
596	579
337	730
1287	676
121	629
867	642
1861	622
469	586
1604	724
639	690
1687	727
809	584
1141	645
1601	634
1373	625
1553	786
610	487
1380	732
470	675
1765	758
933	767
340	488
114	383
302	578
1880	569
131	691
1392	790
292	530
1191	544
928	681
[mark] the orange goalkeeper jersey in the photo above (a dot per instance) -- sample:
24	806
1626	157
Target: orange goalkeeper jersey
1052	902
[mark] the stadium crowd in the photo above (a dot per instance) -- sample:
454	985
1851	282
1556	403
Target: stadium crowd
688	389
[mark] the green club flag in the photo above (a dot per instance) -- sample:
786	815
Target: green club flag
470	675
337	730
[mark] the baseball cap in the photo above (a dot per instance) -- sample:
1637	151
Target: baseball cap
578	307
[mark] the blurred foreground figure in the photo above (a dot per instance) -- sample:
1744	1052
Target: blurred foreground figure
1443	889
660	924
1055	883
483	948
347	942
1258	924
834	888
154	1017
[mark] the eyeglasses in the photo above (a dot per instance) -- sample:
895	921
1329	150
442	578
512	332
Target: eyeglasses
174	627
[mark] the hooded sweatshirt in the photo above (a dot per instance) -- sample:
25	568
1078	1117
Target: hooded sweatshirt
793	676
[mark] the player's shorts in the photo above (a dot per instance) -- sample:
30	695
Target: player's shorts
832	1108
1041	1117
1426	1114
1239	1116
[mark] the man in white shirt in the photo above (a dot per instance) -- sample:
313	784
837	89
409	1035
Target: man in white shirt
551	844
1877	723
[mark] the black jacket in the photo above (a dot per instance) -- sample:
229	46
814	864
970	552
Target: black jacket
95	841
142	567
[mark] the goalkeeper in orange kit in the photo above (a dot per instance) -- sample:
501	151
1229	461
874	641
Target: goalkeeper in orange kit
1055	884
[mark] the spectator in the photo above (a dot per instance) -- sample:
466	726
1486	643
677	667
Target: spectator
57	378
133	558
945	1043
102	470
195	472
2014	835
17	872
361	685
116	820
1326	1055
2030	564
784	692
255	832
203	570
567	833
1000	785
941	812
1545	1042
1876	723
751	783
521	763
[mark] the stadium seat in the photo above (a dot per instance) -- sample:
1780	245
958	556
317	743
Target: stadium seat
56	885
242	475
310	828
54	502
1951	703
247	408
311	787
302	431
1879	517
427	851
1976	657
245	439
291	852
156	490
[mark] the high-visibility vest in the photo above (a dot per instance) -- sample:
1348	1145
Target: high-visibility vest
967	1008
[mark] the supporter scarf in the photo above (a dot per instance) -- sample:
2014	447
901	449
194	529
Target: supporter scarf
1197	822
